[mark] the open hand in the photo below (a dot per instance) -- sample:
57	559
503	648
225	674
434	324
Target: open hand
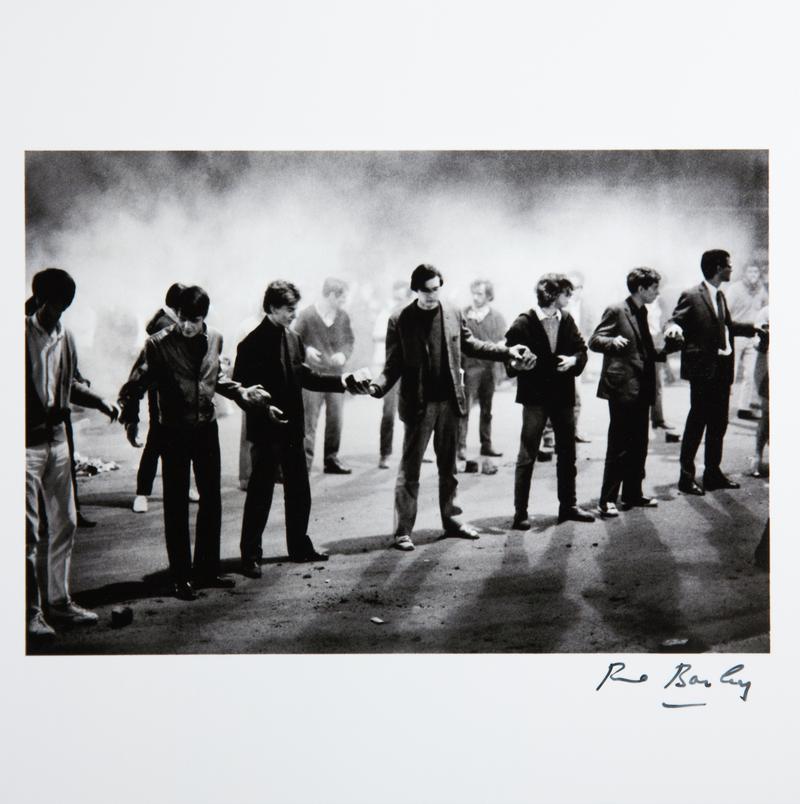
256	395
275	415
619	342
566	362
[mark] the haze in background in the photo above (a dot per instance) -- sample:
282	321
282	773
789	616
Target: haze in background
127	225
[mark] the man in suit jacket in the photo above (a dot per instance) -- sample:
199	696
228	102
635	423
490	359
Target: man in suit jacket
548	392
273	356
628	382
424	343
702	322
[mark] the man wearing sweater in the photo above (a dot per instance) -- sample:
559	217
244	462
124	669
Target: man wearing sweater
328	338
486	324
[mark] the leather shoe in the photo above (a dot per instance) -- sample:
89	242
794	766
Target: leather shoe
462	532
642	502
521	522
335	467
714	482
306	558
251	569
672	438
491	453
581	439
543	456
574	514
183	591
215	582
687	485
83	522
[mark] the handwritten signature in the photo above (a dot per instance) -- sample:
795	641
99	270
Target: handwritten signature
682	677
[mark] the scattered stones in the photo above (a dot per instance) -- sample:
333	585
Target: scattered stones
307	575
377	620
121	616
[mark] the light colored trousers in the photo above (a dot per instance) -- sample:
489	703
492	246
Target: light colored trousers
746	365
48	479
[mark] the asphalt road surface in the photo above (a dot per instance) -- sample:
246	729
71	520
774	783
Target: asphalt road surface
681	575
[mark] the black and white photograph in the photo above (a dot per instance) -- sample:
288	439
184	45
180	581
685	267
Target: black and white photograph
517	401
395	403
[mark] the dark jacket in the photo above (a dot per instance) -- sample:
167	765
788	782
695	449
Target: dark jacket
185	394
626	376
161	320
41	421
408	360
543	385
696	315
492	329
253	367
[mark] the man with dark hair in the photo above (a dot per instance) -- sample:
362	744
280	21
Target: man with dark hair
182	363
328	339
628	382
273	356
548	392
702	323
486	324
51	383
424	343
148	464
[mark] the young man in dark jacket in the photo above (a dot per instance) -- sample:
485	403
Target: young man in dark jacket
628	382
182	363
273	356
548	392
424	343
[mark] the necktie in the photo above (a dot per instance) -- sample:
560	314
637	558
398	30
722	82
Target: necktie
647	339
723	342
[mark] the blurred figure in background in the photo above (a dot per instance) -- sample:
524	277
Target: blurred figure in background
148	463
656	315
582	315
328	339
486	324
401	296
745	300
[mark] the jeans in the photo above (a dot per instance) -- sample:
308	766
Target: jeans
312	402
479	387
534	418
48	476
182	448
441	420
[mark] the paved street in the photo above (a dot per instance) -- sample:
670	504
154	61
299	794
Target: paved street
683	571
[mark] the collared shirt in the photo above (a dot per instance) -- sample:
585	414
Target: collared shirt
45	349
478	315
712	292
551	323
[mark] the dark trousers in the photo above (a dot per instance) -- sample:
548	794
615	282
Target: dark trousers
534	418
312	403
626	452
387	419
708	411
182	448
148	464
479	387
286	452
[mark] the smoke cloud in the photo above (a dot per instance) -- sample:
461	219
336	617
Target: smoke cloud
127	225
